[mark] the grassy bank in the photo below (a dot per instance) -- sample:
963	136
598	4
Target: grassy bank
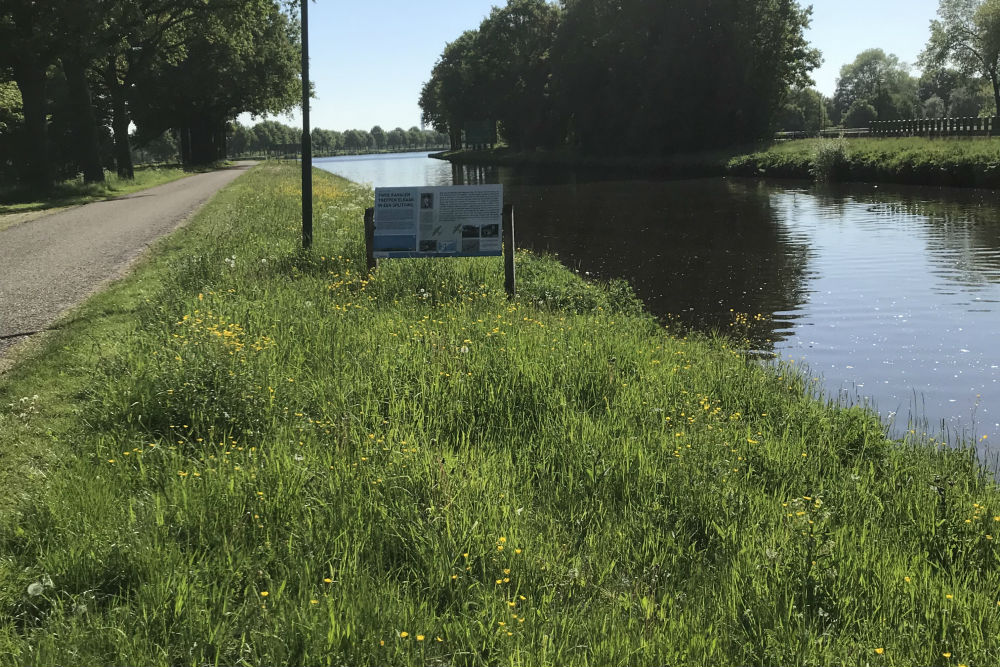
15	201
688	165
244	454
915	161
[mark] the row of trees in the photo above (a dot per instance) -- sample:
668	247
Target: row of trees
960	76
274	137
606	76
76	75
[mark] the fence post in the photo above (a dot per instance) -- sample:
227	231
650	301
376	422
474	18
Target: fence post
509	282
370	239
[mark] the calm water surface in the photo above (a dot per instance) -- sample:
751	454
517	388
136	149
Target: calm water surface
889	295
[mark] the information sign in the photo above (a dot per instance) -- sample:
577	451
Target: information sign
456	221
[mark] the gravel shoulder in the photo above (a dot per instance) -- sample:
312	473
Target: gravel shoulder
51	263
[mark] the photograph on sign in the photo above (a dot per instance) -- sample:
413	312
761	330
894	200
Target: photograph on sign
456	221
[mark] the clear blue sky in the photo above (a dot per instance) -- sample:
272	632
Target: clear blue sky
369	59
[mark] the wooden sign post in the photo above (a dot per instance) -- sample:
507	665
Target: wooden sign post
509	282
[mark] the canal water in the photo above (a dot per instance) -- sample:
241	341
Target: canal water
889	295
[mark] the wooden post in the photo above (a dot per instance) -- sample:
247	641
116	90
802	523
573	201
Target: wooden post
370	239
509	282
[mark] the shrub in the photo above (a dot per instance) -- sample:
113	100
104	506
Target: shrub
830	160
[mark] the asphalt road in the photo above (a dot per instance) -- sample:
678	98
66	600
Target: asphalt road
51	264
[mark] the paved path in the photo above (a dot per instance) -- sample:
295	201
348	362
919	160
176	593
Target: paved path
52	263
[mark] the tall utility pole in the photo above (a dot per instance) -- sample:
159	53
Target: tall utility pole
307	186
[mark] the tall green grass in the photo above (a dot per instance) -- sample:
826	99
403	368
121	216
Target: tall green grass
247	454
913	160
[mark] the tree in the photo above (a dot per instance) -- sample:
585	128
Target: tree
653	77
861	114
415	138
396	139
28	49
454	95
964	103
934	107
11	122
513	65
82	33
938	81
880	80
241	140
967	36
139	34
804	111
378	136
242	57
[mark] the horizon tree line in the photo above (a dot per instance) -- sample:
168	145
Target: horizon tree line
271	136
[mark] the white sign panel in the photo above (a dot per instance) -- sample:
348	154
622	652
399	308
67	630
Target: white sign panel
457	221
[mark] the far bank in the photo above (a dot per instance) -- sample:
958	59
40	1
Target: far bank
951	162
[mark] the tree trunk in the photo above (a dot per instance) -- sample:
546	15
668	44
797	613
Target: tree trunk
120	122
88	148
185	138
204	135
995	80
220	141
36	169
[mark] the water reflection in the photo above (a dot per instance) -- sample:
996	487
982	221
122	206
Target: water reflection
890	294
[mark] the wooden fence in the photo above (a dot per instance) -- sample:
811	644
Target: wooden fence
919	127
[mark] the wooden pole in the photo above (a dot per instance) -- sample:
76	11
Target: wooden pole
307	189
370	239
510	283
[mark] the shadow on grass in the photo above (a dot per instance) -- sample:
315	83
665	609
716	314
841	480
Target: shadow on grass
18	199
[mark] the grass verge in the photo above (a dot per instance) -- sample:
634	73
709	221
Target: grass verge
914	160
74	193
686	165
247	454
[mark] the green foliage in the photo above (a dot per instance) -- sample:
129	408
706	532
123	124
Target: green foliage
830	160
964	103
273	457
244	57
602	76
454	94
860	114
11	112
879	80
804	111
967	36
619	65
87	70
934	107
273	138
917	161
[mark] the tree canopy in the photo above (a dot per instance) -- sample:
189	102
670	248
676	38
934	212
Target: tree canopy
878	80
607	76
86	70
967	36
